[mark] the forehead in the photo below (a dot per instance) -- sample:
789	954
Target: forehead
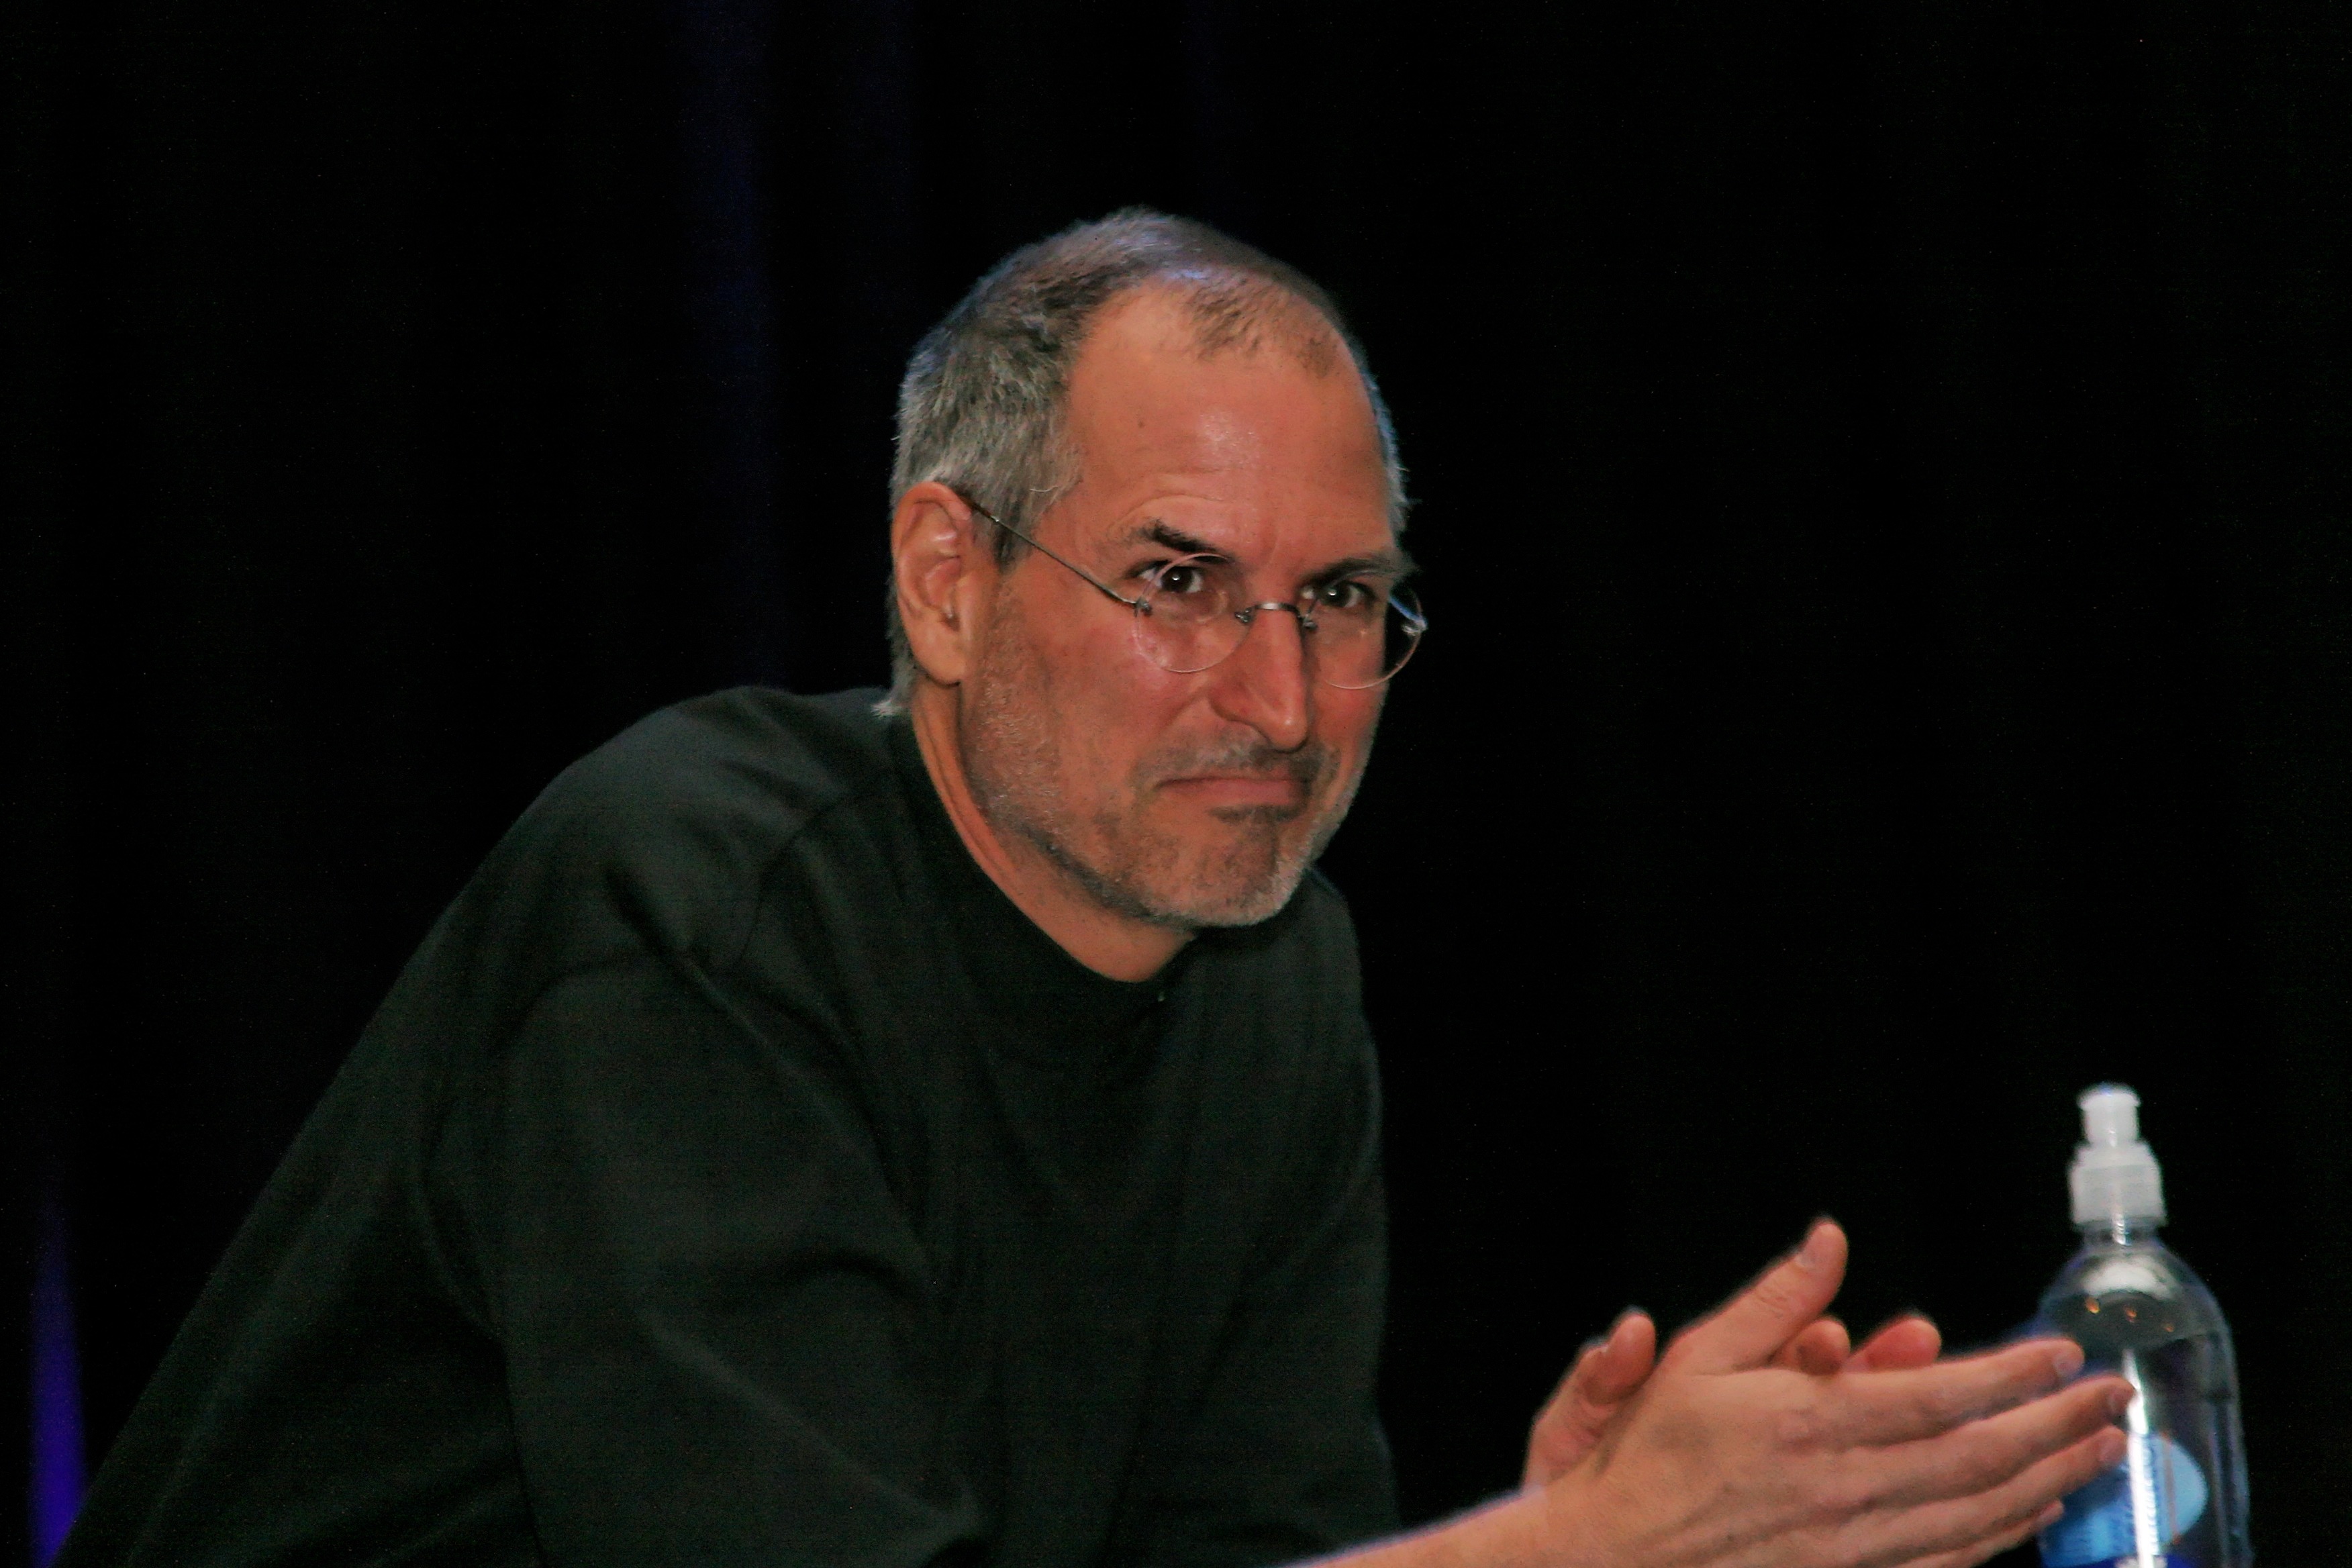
1253	428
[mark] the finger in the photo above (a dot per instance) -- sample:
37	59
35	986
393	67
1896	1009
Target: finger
1822	1347
1565	1394
1970	1528
1748	1330
1993	1545
1623	1362
1901	1345
1555	1442
1607	1373
1986	1455
1923	1402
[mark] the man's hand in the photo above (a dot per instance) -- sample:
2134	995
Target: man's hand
1610	1371
1720	1456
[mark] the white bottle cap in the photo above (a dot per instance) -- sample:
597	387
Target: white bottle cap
2115	1174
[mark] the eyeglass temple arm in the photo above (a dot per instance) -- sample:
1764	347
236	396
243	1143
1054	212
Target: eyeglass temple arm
1096	583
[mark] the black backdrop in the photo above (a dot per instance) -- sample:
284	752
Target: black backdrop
1882	483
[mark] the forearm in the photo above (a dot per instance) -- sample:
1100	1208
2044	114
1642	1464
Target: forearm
1508	1533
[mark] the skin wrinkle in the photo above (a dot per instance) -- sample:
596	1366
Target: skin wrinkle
1012	759
1128	864
1121	806
983	408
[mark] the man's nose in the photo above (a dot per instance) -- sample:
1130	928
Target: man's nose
1266	683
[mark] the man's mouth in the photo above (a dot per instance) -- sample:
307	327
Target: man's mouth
1227	790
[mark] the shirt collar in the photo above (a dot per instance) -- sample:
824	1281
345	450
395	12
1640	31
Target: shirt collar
1049	1001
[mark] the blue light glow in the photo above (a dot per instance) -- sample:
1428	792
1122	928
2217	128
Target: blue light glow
58	1462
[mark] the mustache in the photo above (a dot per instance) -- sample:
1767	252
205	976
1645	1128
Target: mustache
1307	766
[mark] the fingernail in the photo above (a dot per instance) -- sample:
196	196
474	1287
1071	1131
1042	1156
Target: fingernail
2066	1359
2112	1445
2119	1400
1815	1254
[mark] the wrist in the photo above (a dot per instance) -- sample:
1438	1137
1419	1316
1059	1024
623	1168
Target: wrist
1562	1522
1521	1530
1505	1533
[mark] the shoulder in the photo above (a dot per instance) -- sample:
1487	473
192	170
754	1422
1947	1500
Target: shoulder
659	838
745	761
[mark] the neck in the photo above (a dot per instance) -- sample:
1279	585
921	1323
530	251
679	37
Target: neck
1109	943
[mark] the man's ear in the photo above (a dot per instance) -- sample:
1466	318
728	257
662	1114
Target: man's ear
945	573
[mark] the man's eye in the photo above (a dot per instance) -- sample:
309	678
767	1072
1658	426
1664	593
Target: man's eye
1347	594
1182	578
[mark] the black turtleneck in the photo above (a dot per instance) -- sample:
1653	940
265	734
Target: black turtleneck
736	1176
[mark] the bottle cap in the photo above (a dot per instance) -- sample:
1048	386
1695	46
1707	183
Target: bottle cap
2115	1175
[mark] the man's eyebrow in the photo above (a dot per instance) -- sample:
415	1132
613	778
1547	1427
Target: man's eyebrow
1152	531
1390	562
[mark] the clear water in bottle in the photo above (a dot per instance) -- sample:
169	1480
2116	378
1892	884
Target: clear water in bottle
2178	1499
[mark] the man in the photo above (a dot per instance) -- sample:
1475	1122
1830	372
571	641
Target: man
949	1134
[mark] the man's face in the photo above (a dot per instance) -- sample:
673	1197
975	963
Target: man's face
1187	800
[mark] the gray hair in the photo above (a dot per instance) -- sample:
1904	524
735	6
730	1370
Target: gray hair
980	409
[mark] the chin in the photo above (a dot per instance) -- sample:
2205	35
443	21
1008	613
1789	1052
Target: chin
1238	884
1201	908
1245	912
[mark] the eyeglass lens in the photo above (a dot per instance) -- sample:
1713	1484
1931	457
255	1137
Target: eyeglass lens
1196	614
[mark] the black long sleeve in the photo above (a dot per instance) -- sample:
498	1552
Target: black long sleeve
735	1176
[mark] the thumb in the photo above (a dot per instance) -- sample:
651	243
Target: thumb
1574	1419
1624	1361
1750	1328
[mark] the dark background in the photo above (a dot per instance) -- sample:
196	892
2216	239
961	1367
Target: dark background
1881	477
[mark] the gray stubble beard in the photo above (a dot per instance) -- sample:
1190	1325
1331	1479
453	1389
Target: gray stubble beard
1011	756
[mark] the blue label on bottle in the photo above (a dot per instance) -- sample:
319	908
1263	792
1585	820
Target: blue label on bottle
2129	1515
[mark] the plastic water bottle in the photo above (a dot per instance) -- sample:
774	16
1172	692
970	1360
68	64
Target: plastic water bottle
2178	1499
